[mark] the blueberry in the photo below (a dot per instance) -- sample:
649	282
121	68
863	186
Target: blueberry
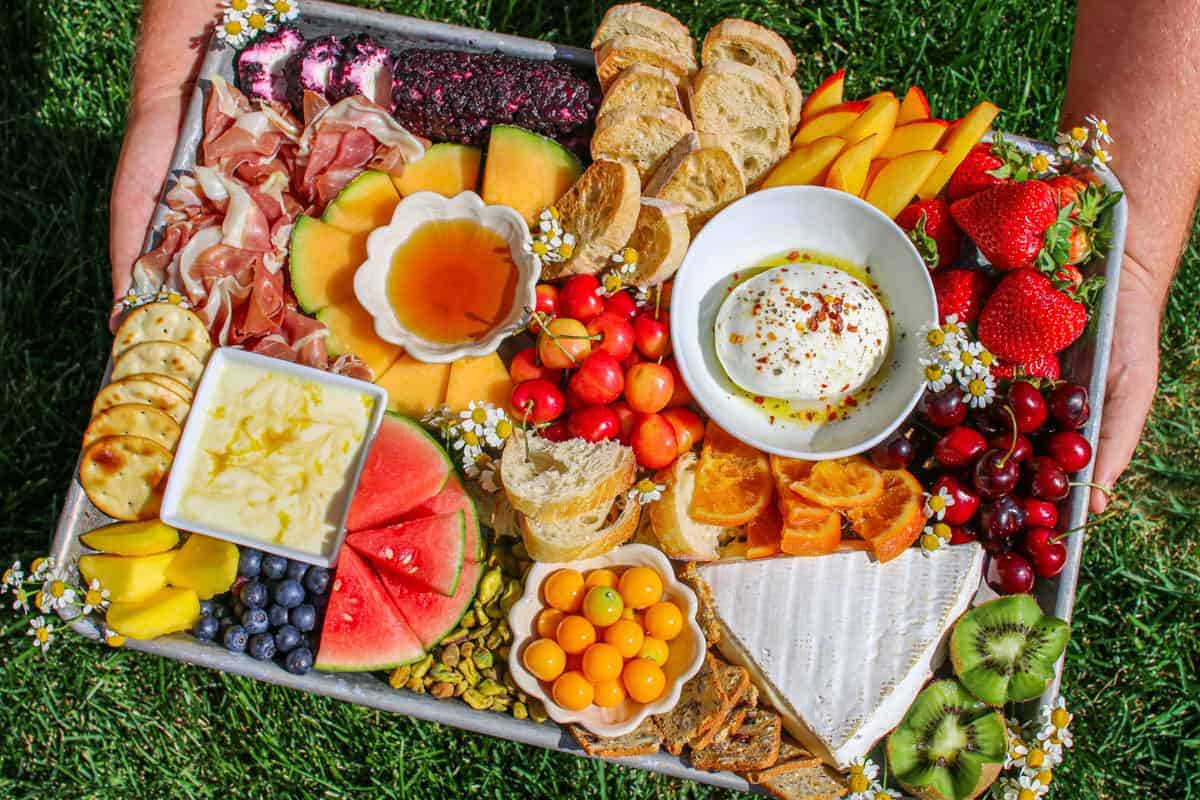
249	563
208	608
254	595
299	661
289	593
255	621
296	570
274	567
287	638
317	580
206	628
262	646
235	638
277	615
304	617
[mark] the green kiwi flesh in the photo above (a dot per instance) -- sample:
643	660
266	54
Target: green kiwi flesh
950	746
1004	651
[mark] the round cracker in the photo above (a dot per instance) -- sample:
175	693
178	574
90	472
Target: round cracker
124	476
139	389
167	383
134	419
164	358
163	322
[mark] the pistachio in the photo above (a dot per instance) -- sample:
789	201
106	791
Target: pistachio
520	711
478	633
522	696
475	700
512	593
460	687
483	658
455	636
421	667
442	690
467	668
494	640
489	688
400	676
490	672
509	681
468	621
466	649
441	672
450	655
490	585
537	711
500	703
415	685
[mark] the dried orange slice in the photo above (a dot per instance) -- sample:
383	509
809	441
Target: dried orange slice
798	512
893	522
841	483
813	539
763	533
786	471
733	481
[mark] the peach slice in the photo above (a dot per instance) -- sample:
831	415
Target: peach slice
878	120
958	141
923	135
877	165
828	94
897	182
807	164
831	123
849	172
914	106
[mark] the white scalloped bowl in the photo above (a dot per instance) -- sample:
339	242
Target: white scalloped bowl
419	208
686	650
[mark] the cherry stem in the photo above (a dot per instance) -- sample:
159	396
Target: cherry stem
1104	490
1012	448
1102	518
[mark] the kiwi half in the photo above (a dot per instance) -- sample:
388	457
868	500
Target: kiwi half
950	746
1004	651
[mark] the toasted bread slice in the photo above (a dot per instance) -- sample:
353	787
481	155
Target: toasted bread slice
601	210
661	239
590	534
640	86
702	706
748	43
680	536
635	19
791	750
734	682
641	137
622	52
641	741
753	746
801	779
755	151
733	721
728	97
704	180
556	481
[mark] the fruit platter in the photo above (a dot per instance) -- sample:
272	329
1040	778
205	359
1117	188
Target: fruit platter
636	402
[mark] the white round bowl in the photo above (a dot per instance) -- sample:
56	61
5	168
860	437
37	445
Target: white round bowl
686	650
371	279
772	222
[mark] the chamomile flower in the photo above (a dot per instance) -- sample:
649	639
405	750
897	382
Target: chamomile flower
1040	164
984	360
1057	715
95	598
474	417
20	600
861	778
646	491
55	594
1023	788
440	418
979	388
883	793
234	29
610	284
13	576
483	470
937	503
968	357
285	10
112	638
1038	756
468	444
260	22
625	261
498	427
641	296
240	6
1099	128
565	248
39	568
1052	736
42	633
953	327
937	377
1101	158
1016	750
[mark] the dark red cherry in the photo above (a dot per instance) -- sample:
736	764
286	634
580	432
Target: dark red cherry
990	422
1028	406
1039	513
947	408
959	447
961	534
895	452
1001	518
1021	449
1047	555
995	474
966	502
1070	449
1046	479
1068	405
1010	573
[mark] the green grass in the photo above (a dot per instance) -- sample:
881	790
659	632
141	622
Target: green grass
86	722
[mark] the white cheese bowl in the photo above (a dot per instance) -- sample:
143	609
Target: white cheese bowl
768	223
686	655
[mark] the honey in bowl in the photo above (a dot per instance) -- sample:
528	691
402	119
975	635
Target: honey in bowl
452	281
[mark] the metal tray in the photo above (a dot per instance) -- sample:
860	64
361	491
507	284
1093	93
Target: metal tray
1087	359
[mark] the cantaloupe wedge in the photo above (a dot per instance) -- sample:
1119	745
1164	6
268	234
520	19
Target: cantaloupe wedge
414	387
896	184
206	565
526	171
323	260
132	538
128	579
807	164
446	169
965	134
849	172
365	204
168	610
482	379
352	330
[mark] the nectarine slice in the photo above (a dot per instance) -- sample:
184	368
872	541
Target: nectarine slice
831	123
877	120
807	164
827	94
958	141
893	188
914	106
923	135
849	172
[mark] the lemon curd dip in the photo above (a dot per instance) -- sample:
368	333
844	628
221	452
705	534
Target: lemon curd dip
275	457
803	336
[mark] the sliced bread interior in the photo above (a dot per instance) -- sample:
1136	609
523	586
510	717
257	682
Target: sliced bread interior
680	536
622	52
635	19
702	706
560	480
802	779
640	86
704	180
600	210
749	43
661	240
593	532
756	151
744	110
643	137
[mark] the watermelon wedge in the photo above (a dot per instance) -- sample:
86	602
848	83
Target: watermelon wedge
363	630
453	498
426	551
406	467
431	615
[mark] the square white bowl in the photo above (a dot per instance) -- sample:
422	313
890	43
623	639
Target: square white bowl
189	442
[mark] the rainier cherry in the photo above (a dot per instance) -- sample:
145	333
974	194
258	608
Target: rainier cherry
654	442
621	304
1009	573
578	298
594	423
564	343
648	387
959	447
966	502
689	428
682	396
1028	406
652	333
536	401
1070	449
525	366
627	417
546	304
615	332
947	408
599	379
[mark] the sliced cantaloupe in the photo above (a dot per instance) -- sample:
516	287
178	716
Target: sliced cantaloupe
352	330
128	579
365	204
323	260
168	610
414	387
206	565
446	169
481	379
526	171
132	538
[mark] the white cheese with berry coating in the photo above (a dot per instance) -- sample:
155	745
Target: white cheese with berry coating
801	332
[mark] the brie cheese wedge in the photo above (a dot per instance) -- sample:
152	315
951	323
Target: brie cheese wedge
840	644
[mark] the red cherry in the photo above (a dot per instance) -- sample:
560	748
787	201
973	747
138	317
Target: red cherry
628	418
652	334
995	474
1068	404
615	332
959	446
1022	450
947	408
1002	518
536	401
966	502
594	423
895	452
648	387
578	298
599	379
621	304
682	396
526	366
689	428
1047	555
546	303
654	442
1028	406
1046	479
556	432
574	401
1009	573
1040	513
961	535
1070	449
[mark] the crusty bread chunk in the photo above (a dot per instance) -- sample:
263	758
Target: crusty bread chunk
753	745
748	43
640	86
755	151
743	110
635	19
661	240
600	210
703	179
592	533
680	536
642	137
618	54
641	741
556	481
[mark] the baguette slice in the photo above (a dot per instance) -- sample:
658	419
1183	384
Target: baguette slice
641	741
556	481
592	533
600	210
635	19
703	179
622	52
680	536
641	137
795	100
755	151
640	86
749	43
745	111
661	240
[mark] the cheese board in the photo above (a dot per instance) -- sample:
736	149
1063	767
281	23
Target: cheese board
452	519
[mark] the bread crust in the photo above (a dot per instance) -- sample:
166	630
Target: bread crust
601	210
749	43
621	52
566	504
676	532
641	20
640	86
541	548
661	239
704	180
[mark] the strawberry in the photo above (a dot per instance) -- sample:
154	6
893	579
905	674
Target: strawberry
1041	367
973	174
932	230
1026	318
960	292
1067	189
1008	221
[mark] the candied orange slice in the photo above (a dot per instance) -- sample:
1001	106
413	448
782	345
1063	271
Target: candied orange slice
798	512
786	471
733	481
814	539
893	522
841	483
763	533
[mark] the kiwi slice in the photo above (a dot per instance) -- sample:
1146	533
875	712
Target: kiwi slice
1004	651
950	746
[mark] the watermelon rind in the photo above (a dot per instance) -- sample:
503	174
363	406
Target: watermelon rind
432	543
379	500
429	615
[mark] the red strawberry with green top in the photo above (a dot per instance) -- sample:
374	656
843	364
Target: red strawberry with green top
1026	318
1008	222
1067	189
932	230
972	175
1041	367
960	292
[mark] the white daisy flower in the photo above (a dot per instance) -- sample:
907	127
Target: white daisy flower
42	633
260	22
1099	128
1022	788
56	594
953	327
475	417
1078	135
1038	756
40	568
468	445
865	767
937	377
930	542
984	361
968	357
1052	736
566	248
1057	715
1041	164
979	388
1016	750
95	598
285	10
234	29
499	427
610	284
646	491
937	503
13	576
1101	158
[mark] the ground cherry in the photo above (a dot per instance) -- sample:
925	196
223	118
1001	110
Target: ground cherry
653	441
640	587
575	634
602	662
655	650
602	606
648	387
564	343
644	680
625	635
689	428
609	694
572	691
564	590
601	577
664	621
544	659
546	624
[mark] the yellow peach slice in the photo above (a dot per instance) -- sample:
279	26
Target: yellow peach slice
914	106
898	182
828	94
849	172
807	164
923	135
168	610
877	120
965	134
